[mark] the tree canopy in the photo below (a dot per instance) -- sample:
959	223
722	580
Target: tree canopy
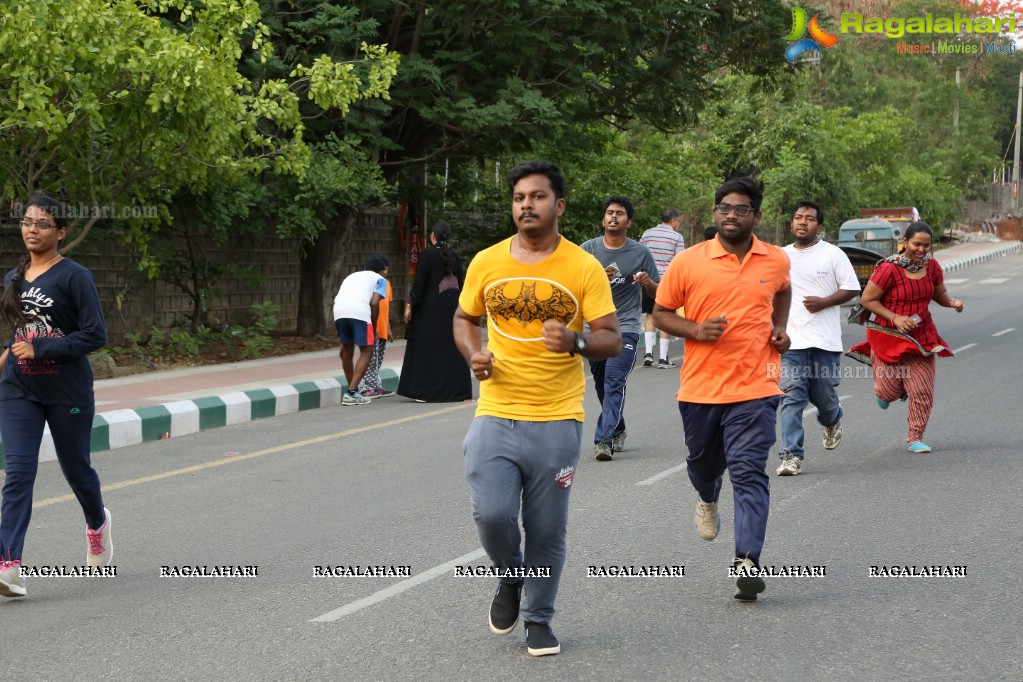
116	102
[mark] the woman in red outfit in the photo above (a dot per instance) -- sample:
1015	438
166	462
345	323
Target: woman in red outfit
902	339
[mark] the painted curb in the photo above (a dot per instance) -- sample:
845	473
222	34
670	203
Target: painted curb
121	428
960	263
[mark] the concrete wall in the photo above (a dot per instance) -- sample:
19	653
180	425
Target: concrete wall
998	202
154	303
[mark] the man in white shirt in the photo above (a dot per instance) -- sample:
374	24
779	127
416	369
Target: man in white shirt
663	241
355	307
822	280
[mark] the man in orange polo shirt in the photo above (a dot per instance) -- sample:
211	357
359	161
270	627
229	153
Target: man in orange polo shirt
735	289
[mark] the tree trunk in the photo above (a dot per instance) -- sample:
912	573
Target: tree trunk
321	270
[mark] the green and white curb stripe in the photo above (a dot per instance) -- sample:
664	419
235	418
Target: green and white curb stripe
121	428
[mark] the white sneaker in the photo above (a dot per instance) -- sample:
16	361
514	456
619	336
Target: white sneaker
354	399
100	545
708	523
11	582
790	465
832	436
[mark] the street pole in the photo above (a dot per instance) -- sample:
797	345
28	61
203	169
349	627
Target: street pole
1015	156
955	110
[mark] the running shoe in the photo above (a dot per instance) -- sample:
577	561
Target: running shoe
618	443
708	522
832	436
100	545
11	582
790	465
747	582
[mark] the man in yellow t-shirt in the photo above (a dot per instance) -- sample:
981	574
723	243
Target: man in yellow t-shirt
536	289
736	292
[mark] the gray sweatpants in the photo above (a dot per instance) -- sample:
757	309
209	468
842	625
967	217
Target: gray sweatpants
508	461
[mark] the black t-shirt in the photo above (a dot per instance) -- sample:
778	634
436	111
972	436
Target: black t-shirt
66	324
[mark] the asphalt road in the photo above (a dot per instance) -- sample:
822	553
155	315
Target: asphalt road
383	485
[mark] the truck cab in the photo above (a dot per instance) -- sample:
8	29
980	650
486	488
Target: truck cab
873	234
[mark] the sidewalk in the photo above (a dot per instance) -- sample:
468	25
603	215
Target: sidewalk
146	407
157	405
965	255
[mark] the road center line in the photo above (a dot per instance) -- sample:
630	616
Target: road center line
251	455
663	475
398	588
1004	331
966	347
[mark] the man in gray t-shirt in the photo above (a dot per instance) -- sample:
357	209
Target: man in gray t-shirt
630	268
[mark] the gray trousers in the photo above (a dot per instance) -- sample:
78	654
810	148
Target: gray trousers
512	464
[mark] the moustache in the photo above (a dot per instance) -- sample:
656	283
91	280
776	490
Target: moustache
523	216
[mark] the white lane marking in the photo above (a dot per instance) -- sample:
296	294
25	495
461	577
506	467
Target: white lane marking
995	280
966	347
398	588
957	281
1004	331
663	475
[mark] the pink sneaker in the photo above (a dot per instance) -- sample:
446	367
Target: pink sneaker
11	582
101	547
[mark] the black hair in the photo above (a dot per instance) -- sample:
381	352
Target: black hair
442	231
710	233
378	263
538	167
623	201
918	226
10	304
670	214
747	185
810	204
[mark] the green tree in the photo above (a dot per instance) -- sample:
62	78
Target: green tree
109	102
495	79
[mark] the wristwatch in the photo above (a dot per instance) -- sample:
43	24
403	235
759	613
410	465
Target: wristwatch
580	344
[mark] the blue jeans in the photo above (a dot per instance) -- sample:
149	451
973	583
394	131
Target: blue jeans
809	375
610	378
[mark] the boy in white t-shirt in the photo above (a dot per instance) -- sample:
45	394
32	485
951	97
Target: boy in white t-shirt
822	280
356	305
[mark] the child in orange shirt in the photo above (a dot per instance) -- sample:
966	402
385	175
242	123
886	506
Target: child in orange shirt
371	386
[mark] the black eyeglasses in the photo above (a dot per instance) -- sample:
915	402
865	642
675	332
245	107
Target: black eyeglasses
741	210
27	224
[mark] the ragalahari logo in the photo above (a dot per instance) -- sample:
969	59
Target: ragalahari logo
819	38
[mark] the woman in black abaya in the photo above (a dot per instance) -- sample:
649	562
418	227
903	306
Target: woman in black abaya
434	370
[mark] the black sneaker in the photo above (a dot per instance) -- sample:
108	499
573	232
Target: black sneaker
504	610
665	363
648	360
540	639
747	582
